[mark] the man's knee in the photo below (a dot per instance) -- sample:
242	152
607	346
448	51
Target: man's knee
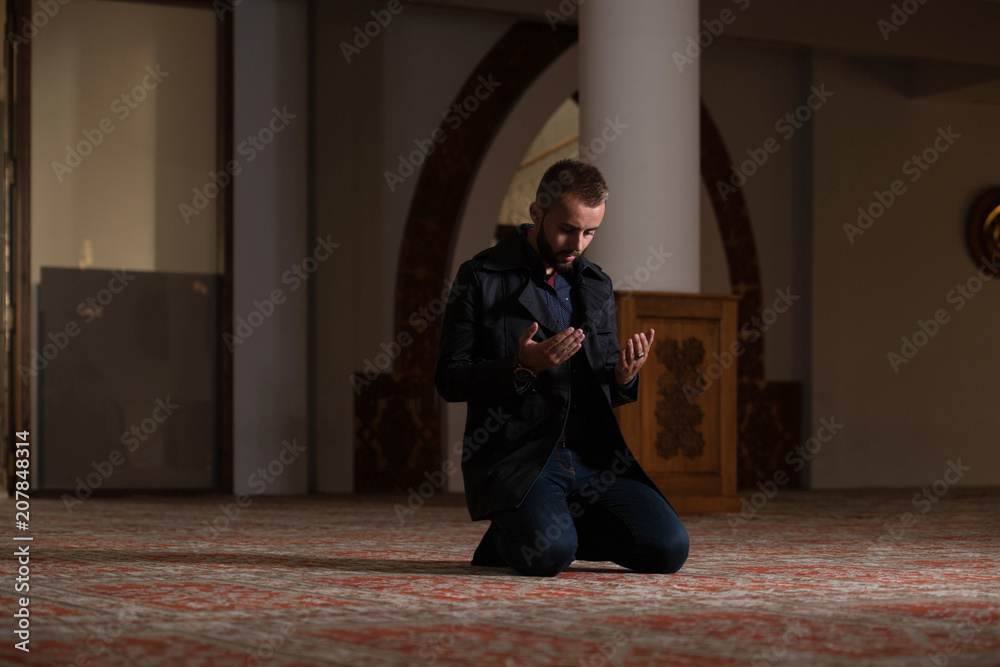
664	555
535	557
546	562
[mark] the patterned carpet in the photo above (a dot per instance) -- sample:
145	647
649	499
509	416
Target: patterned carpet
342	581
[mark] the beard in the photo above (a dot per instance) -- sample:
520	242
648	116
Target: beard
549	253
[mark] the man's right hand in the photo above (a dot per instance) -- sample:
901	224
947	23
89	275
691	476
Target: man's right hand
538	357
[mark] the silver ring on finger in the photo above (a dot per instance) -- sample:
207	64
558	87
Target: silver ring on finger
640	355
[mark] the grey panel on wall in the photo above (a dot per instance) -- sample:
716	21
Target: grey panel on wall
128	376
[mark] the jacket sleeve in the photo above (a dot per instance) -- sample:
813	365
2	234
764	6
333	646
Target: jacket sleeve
630	392
462	374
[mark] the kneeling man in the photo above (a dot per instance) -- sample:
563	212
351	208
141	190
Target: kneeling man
529	341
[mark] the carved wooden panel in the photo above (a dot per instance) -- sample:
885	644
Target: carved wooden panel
677	417
683	428
768	431
397	432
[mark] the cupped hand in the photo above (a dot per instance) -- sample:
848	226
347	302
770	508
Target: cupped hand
632	356
551	352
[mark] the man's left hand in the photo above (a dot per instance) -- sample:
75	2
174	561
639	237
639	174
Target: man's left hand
632	356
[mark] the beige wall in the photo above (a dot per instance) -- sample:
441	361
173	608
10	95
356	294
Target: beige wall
900	428
747	89
859	299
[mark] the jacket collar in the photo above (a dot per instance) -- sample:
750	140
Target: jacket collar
511	254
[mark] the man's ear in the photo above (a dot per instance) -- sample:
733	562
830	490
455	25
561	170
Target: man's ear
536	212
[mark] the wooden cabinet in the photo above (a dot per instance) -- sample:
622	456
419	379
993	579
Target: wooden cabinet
683	428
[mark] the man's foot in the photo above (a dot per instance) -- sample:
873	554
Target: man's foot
486	553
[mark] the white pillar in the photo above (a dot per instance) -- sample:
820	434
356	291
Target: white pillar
639	124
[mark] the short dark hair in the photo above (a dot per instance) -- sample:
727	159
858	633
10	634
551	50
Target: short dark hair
572	175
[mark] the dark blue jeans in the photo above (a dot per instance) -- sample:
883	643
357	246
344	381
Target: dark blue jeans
577	512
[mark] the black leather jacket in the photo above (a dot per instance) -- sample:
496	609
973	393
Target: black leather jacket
510	431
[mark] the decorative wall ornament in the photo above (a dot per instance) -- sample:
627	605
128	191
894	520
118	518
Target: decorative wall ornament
677	417
983	230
